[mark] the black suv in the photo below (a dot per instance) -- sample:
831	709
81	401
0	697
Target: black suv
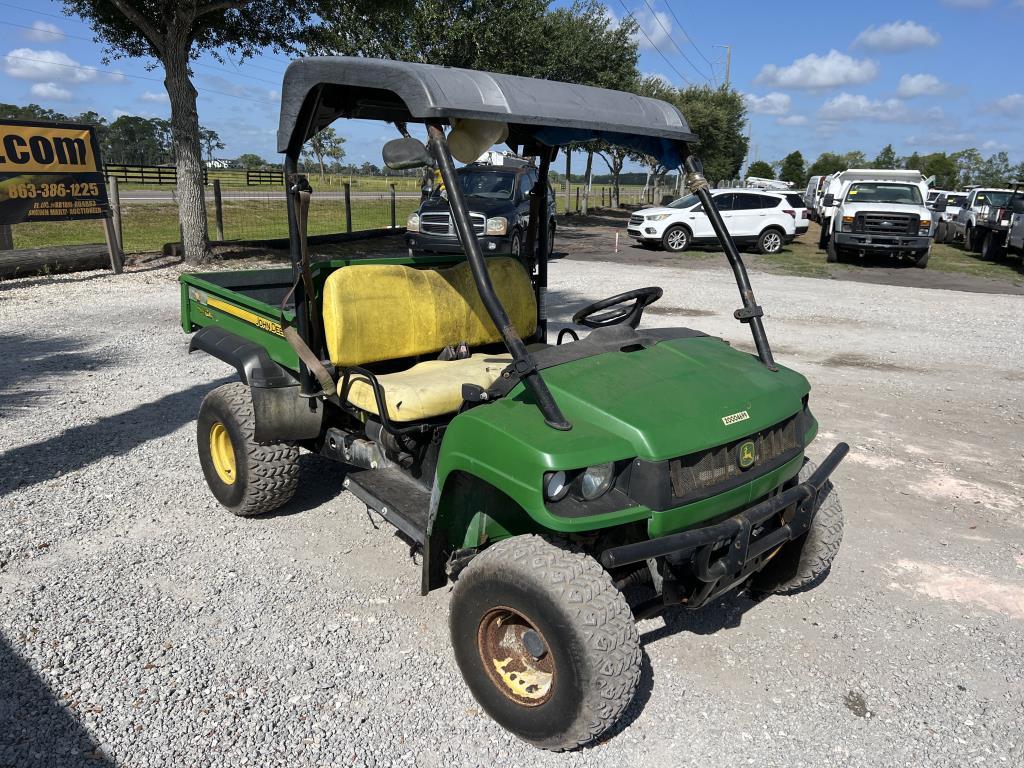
498	197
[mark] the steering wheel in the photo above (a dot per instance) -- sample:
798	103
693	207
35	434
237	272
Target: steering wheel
630	315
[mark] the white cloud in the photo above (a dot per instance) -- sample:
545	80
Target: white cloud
656	29
50	91
769	104
792	120
46	66
159	97
942	140
815	72
920	85
992	145
848	107
1010	106
44	32
116	77
896	36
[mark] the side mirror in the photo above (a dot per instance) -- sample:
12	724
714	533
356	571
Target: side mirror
940	204
400	154
828	201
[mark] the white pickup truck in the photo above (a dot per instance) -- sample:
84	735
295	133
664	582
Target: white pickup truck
1015	233
867	211
969	222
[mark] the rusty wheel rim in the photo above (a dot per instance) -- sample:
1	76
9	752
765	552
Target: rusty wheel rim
516	656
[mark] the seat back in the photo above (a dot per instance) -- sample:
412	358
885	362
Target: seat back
376	312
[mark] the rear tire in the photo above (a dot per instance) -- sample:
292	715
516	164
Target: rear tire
802	562
992	246
972	242
676	239
588	666
247	477
770	241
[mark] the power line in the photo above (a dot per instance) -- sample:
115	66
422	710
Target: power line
136	77
683	77
686	34
215	68
668	35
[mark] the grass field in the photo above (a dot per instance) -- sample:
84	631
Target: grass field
802	257
147	226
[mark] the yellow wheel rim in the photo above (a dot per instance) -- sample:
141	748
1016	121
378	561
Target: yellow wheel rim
223	453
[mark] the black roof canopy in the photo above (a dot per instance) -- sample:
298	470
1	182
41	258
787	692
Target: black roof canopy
319	90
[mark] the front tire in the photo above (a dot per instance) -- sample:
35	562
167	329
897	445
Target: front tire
922	261
516	246
972	242
992	246
770	241
247	477
831	252
545	642
804	561
940	232
676	239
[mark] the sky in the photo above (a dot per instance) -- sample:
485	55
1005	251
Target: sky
923	75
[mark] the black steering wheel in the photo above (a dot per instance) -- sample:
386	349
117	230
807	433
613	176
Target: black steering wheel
629	315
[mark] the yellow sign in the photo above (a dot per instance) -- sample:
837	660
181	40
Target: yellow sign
50	172
45	149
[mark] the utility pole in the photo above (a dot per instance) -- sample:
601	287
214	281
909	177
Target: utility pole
728	61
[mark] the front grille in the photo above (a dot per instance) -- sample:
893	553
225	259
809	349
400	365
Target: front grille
441	224
886	223
690	475
636	219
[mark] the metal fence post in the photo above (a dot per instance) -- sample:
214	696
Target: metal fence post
348	206
218	207
577	199
393	211
114	194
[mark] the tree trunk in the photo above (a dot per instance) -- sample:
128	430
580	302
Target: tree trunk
188	155
588	179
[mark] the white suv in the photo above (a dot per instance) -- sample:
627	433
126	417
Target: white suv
764	219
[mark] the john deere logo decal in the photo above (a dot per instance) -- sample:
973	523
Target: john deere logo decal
747	455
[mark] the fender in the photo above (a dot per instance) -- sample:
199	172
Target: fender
280	412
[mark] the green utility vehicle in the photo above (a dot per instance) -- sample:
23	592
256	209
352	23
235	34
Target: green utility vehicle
546	477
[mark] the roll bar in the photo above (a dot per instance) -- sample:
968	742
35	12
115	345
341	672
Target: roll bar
522	360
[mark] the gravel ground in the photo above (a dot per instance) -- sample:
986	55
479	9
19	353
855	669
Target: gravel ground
141	625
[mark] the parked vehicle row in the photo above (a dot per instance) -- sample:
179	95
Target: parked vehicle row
766	220
986	220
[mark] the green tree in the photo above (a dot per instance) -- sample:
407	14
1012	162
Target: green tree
793	169
251	162
326	144
134	140
718	117
761	169
886	158
174	33
827	164
210	142
492	35
995	171
967	162
855	159
30	112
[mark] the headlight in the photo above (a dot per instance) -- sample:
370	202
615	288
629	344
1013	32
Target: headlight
658	217
412	224
596	480
924	227
555	486
841	225
497	226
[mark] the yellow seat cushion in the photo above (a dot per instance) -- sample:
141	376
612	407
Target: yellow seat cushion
376	312
428	389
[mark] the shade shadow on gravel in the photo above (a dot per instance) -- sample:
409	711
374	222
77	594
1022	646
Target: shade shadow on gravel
36	731
86	444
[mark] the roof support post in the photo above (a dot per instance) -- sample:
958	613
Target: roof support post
291	169
523	362
750	313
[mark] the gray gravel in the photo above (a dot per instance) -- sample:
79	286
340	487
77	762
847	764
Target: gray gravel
141	625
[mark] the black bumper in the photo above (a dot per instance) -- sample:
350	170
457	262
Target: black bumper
489	245
733	536
882	243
